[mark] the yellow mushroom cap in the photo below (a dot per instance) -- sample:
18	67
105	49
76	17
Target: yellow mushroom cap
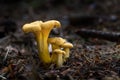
67	45
32	27
57	41
59	51
51	23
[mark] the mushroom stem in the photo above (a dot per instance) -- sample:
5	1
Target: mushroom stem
59	61
67	51
42	38
57	57
43	48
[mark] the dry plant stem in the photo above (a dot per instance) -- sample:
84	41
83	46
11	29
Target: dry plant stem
6	55
3	78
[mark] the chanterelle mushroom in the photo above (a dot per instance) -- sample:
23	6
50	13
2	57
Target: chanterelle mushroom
56	42
41	31
60	43
66	46
57	57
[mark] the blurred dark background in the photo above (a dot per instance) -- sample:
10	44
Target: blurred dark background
77	13
90	6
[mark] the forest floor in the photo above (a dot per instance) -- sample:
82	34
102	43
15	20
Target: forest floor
93	57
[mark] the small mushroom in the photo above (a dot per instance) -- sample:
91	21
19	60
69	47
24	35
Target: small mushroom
57	57
60	43
56	42
66	46
41	30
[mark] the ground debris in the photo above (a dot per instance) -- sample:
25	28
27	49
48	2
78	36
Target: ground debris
90	58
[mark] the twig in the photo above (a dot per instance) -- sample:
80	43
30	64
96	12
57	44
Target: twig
111	36
3	39
8	50
3	78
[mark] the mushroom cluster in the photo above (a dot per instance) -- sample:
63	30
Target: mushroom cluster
61	44
60	47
